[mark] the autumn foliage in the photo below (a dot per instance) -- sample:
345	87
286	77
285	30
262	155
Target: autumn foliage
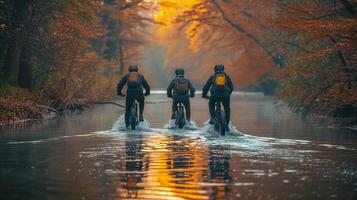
70	51
320	75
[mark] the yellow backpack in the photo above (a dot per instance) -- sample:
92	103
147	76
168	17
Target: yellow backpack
220	81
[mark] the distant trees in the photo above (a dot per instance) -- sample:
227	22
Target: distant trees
309	47
67	47
237	27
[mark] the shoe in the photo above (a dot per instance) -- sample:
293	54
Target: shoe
211	120
141	118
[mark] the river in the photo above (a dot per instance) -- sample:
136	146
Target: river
269	154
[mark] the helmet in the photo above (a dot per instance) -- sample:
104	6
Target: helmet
179	71
219	67
133	68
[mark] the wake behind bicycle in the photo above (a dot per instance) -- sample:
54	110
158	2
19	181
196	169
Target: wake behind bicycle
219	119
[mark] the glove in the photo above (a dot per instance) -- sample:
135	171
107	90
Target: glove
147	93
192	95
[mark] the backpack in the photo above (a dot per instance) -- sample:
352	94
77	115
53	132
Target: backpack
181	85
133	79
220	81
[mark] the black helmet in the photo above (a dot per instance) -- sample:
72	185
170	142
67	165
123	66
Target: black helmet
219	67
133	68
179	71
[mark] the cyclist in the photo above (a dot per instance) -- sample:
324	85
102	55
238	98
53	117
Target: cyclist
135	83
221	87
180	90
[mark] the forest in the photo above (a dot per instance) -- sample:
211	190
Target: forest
64	53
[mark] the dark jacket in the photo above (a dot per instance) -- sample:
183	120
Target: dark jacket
134	90
171	90
209	86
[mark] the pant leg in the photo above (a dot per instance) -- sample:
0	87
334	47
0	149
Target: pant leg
174	104
186	103
141	99
211	103
227	109
128	103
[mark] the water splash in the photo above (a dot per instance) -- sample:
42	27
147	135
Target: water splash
119	125
188	126
209	128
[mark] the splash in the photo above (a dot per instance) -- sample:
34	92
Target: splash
188	126
119	125
209	128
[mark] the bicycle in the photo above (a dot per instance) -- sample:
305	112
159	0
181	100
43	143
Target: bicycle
220	120
133	117
180	119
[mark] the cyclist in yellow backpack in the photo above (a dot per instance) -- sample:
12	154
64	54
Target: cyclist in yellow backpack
221	87
135	82
180	90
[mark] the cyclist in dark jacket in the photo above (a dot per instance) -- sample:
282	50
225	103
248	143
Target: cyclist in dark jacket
135	83
180	90
221	87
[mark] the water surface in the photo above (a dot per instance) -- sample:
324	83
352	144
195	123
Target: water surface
267	155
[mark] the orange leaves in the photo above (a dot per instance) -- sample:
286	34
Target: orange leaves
320	75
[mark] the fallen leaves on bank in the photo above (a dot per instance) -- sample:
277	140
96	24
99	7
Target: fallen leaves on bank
17	109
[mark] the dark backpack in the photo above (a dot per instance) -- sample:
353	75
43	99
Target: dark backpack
220	82
133	80
181	85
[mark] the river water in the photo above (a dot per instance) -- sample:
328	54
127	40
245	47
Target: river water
267	155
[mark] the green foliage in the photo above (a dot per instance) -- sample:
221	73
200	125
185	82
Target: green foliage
8	90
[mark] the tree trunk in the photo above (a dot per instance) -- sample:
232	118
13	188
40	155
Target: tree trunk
120	47
349	7
12	62
3	51
121	57
25	69
11	68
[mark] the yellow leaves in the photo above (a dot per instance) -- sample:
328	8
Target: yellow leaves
167	13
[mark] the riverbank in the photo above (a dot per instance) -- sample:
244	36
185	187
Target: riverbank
15	109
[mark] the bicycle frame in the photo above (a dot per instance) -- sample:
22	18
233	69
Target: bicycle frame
220	122
180	120
133	118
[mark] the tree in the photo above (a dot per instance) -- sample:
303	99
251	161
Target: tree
237	29
320	77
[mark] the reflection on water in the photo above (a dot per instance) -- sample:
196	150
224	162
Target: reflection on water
276	157
162	166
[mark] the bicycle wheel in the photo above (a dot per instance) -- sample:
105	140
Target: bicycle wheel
222	128
133	117
180	122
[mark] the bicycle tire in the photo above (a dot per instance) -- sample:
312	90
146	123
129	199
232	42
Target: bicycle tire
222	128
181	122
133	118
